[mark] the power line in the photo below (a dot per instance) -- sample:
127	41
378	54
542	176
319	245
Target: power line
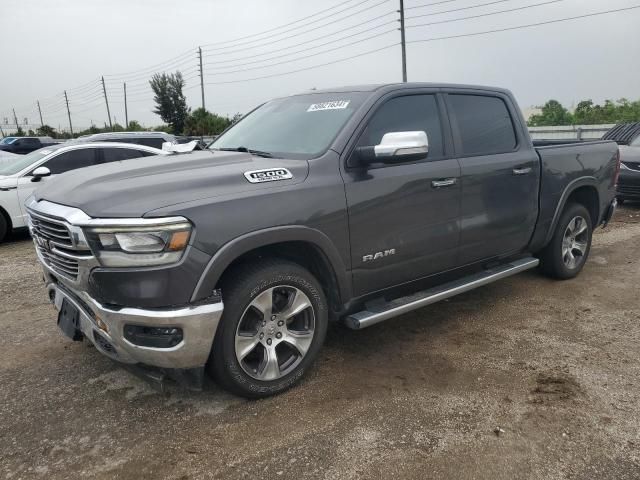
460	9
309	41
217	45
530	25
151	67
243	49
305	68
393	30
429	4
485	14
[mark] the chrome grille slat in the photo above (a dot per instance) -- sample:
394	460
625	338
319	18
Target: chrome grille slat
57	238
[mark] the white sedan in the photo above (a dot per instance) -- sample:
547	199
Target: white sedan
20	176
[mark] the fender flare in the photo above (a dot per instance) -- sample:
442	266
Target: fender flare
569	189
269	236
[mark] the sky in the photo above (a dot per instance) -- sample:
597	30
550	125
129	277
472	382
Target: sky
51	46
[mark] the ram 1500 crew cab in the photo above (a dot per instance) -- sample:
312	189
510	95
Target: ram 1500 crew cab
353	204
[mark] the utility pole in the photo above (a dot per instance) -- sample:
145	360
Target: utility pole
403	42
40	112
126	115
66	99
104	89
201	76
15	118
1	132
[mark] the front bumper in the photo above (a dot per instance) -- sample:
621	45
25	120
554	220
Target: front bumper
628	186
104	327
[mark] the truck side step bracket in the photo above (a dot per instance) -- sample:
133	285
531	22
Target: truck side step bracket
376	312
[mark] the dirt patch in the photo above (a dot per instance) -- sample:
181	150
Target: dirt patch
555	365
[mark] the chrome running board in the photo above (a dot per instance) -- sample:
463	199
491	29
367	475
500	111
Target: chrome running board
378	312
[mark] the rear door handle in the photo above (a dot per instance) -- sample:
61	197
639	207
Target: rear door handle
445	182
522	171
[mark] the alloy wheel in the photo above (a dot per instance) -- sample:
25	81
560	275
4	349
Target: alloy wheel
275	333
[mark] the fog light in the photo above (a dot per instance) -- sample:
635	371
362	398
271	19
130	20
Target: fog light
155	337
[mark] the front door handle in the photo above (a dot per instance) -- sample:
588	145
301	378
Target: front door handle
522	171
445	182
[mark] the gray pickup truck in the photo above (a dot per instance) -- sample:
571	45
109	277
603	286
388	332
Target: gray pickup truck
352	204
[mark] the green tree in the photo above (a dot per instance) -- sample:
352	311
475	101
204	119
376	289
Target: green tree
46	131
134	126
201	122
553	113
171	104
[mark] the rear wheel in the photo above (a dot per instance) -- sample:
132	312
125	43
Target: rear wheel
274	323
3	227
569	248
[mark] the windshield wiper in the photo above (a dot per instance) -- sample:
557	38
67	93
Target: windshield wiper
259	153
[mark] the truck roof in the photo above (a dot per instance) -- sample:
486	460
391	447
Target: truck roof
401	86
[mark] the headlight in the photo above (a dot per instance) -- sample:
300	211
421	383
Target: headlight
132	246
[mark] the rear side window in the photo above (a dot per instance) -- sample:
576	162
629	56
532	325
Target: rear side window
117	154
407	114
151	142
484	124
72	160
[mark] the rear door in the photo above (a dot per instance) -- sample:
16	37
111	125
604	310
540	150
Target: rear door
500	175
403	226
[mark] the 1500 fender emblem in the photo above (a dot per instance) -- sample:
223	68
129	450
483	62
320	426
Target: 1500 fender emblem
268	175
378	255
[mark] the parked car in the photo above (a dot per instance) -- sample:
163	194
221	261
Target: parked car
20	176
150	139
354	204
628	138
24	145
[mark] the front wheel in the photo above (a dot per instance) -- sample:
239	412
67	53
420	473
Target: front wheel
3	227
569	248
273	326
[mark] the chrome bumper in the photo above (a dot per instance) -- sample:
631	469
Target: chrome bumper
199	324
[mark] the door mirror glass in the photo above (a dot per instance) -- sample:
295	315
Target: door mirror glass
40	172
396	147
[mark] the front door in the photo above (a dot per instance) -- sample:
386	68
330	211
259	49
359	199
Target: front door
403	218
500	177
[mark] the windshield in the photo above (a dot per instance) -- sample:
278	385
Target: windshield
7	140
636	142
23	161
299	127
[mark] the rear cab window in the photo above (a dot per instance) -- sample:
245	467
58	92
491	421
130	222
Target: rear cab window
483	123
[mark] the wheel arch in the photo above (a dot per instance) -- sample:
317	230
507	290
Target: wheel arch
7	218
583	191
306	246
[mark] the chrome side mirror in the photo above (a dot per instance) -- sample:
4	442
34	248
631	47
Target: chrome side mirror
39	173
402	144
395	147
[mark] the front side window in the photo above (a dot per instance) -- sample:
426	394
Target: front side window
484	123
298	127
117	154
406	114
72	160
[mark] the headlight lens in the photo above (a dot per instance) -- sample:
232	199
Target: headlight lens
139	246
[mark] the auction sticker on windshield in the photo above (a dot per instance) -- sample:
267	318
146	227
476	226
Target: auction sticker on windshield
334	105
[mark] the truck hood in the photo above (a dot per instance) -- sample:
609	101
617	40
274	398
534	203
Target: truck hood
135	187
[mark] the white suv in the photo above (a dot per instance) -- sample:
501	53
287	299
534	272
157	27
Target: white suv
19	177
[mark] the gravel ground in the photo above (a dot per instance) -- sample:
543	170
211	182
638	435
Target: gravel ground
554	365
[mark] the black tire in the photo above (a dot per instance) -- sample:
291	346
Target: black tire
3	227
553	261
239	291
620	200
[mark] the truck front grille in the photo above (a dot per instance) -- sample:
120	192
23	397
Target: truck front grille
55	245
632	166
51	229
